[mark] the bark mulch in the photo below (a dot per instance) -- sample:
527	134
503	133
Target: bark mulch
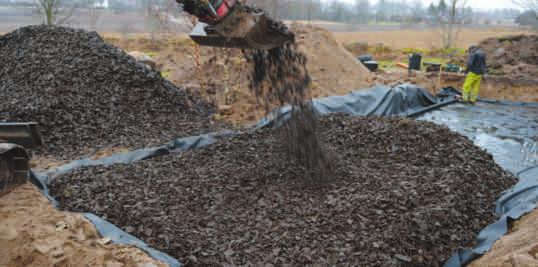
89	95
403	192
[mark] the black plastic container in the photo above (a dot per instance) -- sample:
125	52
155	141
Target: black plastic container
364	58
372	65
414	61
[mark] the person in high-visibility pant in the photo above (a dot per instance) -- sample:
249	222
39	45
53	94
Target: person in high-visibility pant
476	67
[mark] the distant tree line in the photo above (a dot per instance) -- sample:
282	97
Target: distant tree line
530	16
445	14
382	11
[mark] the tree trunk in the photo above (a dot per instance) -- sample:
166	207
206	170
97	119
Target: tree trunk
274	8
452	21
48	13
310	9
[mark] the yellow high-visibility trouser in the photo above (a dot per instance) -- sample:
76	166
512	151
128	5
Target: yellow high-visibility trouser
471	87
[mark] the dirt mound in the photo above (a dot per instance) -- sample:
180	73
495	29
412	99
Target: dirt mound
403	191
223	74
334	70
34	233
517	248
517	55
88	94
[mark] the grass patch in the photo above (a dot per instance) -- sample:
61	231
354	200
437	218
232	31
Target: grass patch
438	60
182	41
151	54
386	64
413	50
391	64
379	49
165	74
449	52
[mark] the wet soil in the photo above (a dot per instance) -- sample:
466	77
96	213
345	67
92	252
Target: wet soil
403	192
88	95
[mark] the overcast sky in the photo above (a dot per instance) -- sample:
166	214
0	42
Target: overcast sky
479	4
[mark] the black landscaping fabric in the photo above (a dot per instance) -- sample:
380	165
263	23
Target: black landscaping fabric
402	100
88	95
403	191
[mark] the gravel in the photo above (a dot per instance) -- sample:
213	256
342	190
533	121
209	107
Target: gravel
88	95
403	192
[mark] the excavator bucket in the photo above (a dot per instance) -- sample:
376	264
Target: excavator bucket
244	28
14	160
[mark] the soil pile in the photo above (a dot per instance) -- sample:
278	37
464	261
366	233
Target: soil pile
88	94
334	70
34	233
403	191
517	248
223	74
515	55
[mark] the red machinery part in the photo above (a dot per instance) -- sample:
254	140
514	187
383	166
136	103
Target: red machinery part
222	8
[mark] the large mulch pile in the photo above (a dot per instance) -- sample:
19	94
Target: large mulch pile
87	94
516	55
403	191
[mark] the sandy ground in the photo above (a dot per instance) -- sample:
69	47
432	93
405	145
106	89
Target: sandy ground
421	38
334	70
518	248
34	233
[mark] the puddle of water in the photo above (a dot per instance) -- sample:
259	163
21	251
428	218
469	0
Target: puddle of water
509	133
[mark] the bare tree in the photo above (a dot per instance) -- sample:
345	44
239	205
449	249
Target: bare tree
54	11
451	22
94	12
156	17
448	17
362	11
274	8
530	16
527	4
309	11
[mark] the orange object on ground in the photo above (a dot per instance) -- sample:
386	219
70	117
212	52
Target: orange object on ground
402	65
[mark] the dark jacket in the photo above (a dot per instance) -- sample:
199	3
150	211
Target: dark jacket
476	62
